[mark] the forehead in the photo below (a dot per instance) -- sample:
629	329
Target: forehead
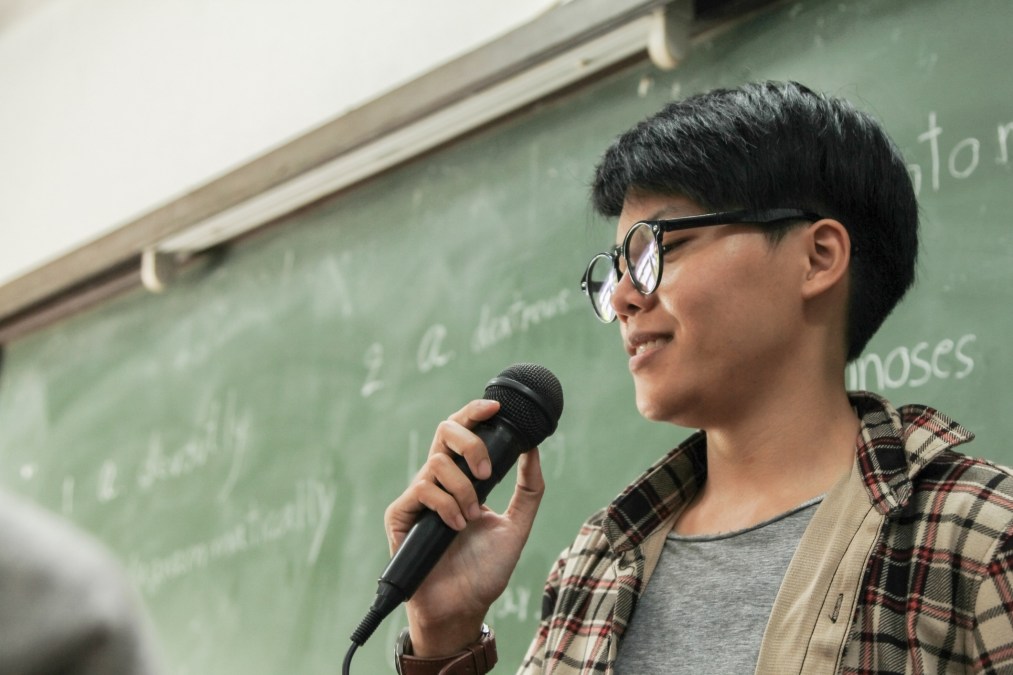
641	206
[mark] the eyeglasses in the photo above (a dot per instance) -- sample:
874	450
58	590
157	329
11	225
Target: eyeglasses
643	253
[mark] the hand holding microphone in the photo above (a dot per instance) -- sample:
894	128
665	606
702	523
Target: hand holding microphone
448	491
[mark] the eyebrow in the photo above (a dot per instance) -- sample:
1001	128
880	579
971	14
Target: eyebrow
667	212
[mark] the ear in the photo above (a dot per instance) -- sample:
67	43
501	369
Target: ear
828	247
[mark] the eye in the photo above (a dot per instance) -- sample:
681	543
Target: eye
673	245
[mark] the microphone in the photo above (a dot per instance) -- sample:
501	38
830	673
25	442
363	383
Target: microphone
531	401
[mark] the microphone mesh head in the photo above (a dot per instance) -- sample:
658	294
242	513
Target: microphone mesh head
530	397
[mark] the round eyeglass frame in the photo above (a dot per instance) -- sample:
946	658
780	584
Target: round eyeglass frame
600	293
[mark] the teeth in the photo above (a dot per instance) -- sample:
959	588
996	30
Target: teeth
647	346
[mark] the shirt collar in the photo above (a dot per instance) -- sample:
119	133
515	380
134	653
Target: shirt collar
896	444
668	486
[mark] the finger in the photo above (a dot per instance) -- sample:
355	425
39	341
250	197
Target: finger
528	491
399	517
447	475
440	486
436	499
403	512
455	435
475	411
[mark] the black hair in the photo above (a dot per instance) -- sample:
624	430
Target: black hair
779	144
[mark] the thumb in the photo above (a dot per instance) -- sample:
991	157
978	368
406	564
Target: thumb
529	489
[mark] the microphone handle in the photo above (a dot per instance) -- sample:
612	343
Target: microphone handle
430	536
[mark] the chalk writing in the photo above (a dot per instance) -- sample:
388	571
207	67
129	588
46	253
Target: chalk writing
963	158
519	317
431	354
913	367
373	362
107	488
552	453
337	289
308	513
514	603
224	432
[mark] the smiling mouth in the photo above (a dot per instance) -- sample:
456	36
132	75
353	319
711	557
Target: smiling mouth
644	345
648	346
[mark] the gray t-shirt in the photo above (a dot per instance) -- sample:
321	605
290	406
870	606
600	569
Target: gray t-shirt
707	603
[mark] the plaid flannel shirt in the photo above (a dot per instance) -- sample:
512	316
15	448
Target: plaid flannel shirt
907	565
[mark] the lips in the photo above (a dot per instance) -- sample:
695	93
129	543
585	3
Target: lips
641	343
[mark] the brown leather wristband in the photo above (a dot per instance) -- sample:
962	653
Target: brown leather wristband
477	659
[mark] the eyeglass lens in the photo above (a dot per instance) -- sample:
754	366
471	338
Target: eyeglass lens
641	250
642	254
602	282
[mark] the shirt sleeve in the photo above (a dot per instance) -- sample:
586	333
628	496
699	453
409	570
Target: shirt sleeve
993	629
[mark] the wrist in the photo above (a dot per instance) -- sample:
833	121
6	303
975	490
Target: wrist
446	640
477	658
444	636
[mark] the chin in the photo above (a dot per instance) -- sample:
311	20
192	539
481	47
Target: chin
665	405
652	409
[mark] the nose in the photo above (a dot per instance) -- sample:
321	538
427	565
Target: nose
627	300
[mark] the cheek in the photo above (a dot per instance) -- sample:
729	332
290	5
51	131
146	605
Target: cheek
701	285
721	300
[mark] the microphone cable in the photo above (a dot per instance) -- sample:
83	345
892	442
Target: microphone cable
366	627
346	666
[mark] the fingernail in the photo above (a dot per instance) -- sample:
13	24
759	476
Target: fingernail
484	469
459	522
474	511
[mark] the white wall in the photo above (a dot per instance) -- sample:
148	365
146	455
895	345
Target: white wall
112	107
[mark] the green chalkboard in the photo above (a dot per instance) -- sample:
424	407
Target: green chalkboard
236	439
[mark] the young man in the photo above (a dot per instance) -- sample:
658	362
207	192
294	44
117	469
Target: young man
764	234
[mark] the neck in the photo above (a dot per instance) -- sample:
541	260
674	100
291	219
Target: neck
777	452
